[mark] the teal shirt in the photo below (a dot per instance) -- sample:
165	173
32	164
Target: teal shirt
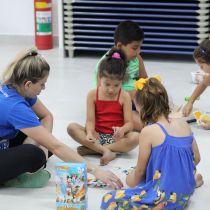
132	71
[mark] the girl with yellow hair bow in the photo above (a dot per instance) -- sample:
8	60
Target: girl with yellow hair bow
167	152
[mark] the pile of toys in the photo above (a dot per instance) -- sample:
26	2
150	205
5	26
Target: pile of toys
199	117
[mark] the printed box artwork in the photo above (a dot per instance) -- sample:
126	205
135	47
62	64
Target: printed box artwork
71	186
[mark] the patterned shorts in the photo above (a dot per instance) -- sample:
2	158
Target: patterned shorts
106	138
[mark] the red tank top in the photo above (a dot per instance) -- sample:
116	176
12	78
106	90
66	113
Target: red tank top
108	114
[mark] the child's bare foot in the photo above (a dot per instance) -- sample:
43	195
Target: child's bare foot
198	180
107	157
82	150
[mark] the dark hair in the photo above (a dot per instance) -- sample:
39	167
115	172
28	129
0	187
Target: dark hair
202	52
113	65
27	65
153	101
127	32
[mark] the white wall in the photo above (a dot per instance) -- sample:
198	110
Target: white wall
17	17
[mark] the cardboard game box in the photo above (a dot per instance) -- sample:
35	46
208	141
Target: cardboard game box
71	186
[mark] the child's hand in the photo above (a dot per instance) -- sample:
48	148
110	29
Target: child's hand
118	133
91	138
205	124
187	109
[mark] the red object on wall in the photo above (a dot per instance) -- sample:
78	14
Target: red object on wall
43	24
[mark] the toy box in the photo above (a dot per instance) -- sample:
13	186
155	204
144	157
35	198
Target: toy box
71	186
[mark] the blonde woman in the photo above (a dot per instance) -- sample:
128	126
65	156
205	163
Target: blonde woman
26	125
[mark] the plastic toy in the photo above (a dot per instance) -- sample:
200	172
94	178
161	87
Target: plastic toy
199	117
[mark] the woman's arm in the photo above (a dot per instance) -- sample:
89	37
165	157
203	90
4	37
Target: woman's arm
199	89
196	93
43	137
46	118
138	175
142	70
44	115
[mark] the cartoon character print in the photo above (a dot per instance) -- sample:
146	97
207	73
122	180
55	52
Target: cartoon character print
70	188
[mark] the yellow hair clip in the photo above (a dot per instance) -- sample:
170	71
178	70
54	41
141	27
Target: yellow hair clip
139	84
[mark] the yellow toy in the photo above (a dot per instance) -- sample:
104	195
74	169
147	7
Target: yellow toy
205	117
199	116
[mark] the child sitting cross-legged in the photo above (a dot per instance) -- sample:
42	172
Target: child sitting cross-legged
109	125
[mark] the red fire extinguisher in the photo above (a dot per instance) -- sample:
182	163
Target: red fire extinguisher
43	24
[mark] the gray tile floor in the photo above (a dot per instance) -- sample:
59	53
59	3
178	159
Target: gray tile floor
65	96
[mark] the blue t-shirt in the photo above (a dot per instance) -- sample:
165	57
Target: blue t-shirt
15	112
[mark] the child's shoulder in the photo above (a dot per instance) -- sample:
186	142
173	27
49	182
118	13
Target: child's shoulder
149	128
206	80
180	122
151	133
175	123
92	93
134	61
124	95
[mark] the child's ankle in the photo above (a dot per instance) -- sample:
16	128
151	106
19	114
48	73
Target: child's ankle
198	180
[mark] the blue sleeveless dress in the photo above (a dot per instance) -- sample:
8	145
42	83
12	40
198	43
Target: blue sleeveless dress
169	179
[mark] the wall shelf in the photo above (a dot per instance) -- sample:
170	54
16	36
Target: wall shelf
172	27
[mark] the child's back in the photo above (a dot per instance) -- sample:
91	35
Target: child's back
172	162
164	174
176	128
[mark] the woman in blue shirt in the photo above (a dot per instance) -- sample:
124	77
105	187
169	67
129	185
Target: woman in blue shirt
26	125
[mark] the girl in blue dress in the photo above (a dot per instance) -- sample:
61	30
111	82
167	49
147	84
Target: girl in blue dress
164	177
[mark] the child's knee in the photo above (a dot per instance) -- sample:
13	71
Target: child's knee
134	138
71	128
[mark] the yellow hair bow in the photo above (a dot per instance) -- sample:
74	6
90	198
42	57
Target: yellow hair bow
139	84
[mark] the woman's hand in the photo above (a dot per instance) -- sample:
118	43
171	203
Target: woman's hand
205	124
108	177
187	109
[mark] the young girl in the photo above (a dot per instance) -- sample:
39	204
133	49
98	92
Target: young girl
128	37
26	125
164	174
109	119
202	58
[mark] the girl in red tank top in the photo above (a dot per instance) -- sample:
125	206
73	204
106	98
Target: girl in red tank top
108	114
109	126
